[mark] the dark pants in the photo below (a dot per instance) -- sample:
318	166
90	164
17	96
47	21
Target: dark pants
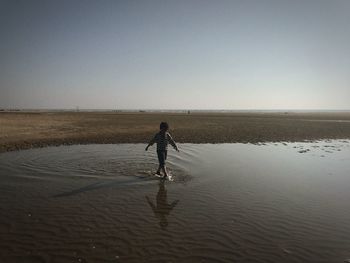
162	157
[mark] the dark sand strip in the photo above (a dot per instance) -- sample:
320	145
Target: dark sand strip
23	130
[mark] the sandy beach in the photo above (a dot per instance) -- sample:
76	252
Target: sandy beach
23	130
277	194
245	187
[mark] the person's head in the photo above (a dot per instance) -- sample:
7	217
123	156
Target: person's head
164	126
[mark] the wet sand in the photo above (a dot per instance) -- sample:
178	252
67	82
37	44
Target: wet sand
227	203
22	130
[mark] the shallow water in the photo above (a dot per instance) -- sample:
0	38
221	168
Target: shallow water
226	203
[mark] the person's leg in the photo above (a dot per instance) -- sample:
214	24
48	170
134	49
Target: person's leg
158	171
160	160
164	171
165	153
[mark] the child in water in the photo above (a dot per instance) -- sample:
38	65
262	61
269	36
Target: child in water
162	138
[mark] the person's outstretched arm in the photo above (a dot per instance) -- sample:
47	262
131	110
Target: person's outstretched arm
173	204
151	205
151	142
172	142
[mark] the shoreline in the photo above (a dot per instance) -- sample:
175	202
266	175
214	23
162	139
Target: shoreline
23	130
56	143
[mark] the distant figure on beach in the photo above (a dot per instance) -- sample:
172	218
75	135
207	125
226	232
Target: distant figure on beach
162	138
162	209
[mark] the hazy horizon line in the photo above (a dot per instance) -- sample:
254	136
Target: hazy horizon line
155	109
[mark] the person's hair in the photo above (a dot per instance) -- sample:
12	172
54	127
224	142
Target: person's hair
164	126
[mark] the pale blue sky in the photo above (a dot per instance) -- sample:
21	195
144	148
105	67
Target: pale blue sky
247	54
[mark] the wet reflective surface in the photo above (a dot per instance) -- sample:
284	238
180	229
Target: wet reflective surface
225	203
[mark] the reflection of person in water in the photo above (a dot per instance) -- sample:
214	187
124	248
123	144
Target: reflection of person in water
162	209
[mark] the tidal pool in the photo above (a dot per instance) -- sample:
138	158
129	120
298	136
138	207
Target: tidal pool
226	203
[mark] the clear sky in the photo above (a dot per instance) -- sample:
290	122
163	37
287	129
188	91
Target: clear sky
263	54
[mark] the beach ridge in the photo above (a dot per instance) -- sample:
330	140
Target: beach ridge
24	130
